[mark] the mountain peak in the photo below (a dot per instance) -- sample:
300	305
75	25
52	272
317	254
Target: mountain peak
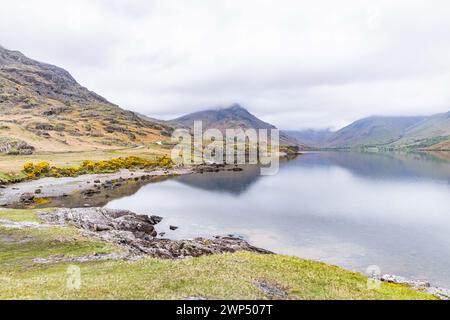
234	116
235	106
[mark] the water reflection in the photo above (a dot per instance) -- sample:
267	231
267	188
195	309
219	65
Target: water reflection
223	181
350	209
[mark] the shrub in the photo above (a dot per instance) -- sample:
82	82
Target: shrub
28	167
43	169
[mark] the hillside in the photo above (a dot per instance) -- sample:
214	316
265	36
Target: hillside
43	108
432	133
412	133
372	131
233	117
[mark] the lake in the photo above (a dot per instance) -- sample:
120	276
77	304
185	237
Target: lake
354	210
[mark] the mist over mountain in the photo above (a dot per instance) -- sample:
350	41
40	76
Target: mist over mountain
43	108
311	137
232	117
416	132
374	130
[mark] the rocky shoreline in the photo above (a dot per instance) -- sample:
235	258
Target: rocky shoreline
92	190
24	193
138	236
419	285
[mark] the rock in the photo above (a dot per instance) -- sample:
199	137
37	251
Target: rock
441	293
2	186
137	233
173	228
12	146
271	290
27	198
97	181
38	191
89	193
400	280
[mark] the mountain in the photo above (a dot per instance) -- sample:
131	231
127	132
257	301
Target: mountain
412	133
232	117
43	108
312	137
372	131
432	133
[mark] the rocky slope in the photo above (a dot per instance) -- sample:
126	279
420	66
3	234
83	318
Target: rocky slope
43	106
232	117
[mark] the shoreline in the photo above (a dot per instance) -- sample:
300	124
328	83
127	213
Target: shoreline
65	186
137	238
59	187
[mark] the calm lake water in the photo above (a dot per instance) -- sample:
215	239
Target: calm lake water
350	209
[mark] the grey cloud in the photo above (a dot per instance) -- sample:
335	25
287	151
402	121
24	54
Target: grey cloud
295	63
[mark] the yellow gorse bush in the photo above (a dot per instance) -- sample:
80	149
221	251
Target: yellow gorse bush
43	169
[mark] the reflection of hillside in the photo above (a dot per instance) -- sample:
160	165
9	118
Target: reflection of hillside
235	183
77	200
386	165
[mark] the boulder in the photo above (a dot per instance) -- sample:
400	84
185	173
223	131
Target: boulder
26	198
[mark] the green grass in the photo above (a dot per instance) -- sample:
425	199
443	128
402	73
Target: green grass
21	215
18	247
11	177
225	276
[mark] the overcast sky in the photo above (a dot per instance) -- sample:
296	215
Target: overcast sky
296	64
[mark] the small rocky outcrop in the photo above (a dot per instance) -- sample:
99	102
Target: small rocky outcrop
26	198
13	146
137	233
99	219
55	111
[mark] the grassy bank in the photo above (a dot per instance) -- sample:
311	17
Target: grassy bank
11	166
13	170
228	276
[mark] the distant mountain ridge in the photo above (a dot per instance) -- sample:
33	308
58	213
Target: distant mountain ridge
384	132
375	130
311	137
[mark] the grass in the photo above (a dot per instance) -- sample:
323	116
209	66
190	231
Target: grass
225	276
21	215
11	166
22	246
